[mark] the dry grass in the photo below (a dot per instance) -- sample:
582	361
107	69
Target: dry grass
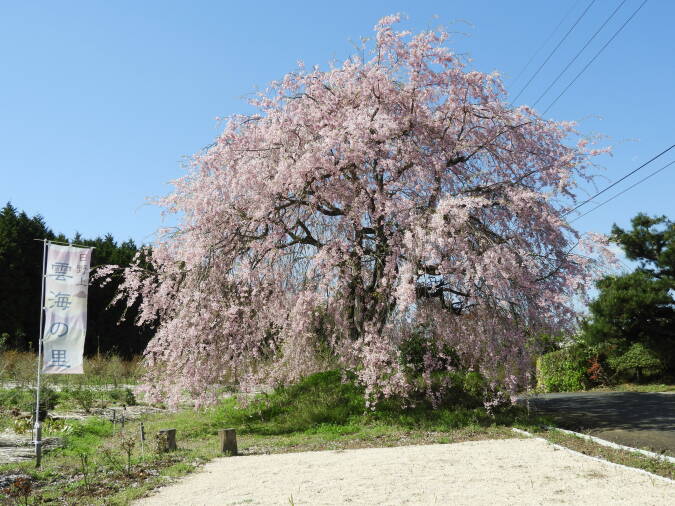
19	369
635	387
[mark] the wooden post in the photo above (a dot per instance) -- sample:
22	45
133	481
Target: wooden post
38	443
228	441
142	440
170	435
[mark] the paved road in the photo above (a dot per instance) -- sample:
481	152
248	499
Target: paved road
638	419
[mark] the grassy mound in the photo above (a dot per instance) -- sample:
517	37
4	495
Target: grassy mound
323	402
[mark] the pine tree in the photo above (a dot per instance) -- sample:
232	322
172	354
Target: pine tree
639	307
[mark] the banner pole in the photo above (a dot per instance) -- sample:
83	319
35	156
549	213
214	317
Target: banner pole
37	429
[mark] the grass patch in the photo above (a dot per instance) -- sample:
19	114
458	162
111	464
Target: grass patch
624	457
86	436
322	402
321	412
635	387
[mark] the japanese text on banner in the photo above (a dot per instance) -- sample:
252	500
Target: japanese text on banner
66	287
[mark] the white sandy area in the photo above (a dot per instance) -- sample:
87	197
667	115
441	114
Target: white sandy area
510	471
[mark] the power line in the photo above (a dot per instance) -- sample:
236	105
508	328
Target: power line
624	191
596	55
562	20
553	51
579	53
618	181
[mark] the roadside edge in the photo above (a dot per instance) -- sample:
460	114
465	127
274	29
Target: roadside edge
624	448
616	446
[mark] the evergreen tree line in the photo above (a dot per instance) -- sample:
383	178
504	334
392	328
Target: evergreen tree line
21	258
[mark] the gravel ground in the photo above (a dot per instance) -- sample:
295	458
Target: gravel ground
18	448
511	471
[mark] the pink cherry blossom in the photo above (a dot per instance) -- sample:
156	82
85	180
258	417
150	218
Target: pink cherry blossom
358	204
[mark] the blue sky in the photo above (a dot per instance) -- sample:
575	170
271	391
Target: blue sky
100	102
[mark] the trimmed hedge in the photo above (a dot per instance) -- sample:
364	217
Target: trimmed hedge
562	370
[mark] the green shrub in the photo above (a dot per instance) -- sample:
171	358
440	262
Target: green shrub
124	396
447	387
563	370
82	396
48	398
16	398
324	403
639	359
94	369
417	345
474	384
23	399
115	370
56	426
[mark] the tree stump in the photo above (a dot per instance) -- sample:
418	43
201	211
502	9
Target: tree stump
228	441
169	438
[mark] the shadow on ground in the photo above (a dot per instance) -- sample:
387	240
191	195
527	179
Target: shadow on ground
639	419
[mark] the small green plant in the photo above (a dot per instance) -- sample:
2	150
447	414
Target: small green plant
22	425
124	396
127	442
85	468
84	397
110	457
110	452
56	426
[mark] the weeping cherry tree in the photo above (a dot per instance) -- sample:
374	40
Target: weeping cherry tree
394	195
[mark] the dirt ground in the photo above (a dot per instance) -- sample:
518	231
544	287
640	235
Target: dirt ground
495	472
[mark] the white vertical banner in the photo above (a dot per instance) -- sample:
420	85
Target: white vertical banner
65	305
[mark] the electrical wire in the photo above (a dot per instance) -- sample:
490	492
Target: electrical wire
579	53
596	55
562	20
624	191
553	51
618	181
